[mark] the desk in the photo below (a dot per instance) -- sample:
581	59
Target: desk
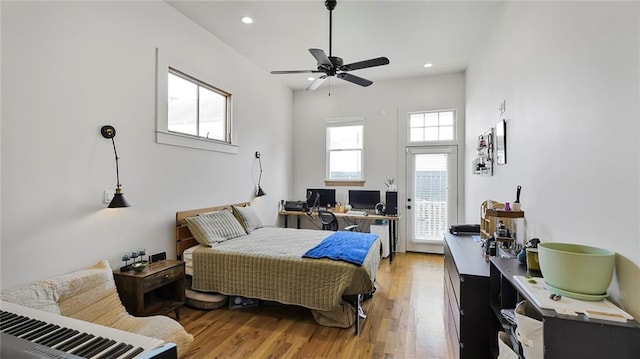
393	224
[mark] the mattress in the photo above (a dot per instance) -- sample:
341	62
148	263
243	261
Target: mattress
187	257
268	265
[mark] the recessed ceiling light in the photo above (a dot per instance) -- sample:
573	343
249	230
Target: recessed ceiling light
428	64
310	78
247	20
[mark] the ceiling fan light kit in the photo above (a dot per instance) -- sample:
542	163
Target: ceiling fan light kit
333	66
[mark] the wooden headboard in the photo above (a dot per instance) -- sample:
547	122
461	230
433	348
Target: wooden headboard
184	238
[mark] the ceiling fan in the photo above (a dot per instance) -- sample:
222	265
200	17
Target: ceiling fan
333	65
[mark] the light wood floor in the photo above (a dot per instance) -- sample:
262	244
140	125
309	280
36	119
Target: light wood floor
404	320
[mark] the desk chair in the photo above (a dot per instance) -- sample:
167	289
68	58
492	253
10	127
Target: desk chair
330	222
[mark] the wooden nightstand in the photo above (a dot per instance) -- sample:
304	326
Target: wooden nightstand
158	289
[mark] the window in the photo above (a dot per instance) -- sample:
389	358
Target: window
196	108
190	112
431	126
345	149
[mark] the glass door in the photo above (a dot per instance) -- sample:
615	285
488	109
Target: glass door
432	196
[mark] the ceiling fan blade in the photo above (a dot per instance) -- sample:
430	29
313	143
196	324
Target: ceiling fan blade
321	57
294	72
355	79
364	64
315	84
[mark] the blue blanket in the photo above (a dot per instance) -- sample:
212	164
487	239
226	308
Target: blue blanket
350	247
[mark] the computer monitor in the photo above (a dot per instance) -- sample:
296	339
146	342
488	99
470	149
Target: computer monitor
321	197
363	199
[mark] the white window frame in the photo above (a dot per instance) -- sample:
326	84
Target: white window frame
164	62
340	122
455	127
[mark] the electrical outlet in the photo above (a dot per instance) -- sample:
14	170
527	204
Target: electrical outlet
503	107
108	196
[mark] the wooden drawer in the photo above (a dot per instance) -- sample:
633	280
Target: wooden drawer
452	307
159	279
156	290
452	331
451	271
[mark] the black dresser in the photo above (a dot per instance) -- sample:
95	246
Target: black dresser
466	297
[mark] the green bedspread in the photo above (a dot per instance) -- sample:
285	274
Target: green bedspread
268	265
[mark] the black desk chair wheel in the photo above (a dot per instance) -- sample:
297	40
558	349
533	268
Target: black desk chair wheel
330	222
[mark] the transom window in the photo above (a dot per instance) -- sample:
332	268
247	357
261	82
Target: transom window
431	126
197	109
345	149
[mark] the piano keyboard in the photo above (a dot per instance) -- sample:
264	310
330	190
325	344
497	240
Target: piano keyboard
32	333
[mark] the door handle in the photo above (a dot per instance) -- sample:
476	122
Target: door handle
409	206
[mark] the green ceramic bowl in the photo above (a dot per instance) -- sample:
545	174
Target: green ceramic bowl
576	268
139	266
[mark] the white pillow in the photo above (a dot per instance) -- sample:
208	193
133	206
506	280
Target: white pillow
248	218
214	227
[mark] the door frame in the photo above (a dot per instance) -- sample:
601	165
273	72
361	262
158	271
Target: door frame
454	196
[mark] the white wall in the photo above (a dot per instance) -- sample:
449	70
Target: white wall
569	73
70	67
0	142
384	105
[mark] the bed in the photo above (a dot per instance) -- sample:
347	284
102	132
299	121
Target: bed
267	264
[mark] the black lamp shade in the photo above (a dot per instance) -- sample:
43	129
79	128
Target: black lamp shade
118	200
260	192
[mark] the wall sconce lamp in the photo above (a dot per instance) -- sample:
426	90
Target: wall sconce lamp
259	192
118	200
